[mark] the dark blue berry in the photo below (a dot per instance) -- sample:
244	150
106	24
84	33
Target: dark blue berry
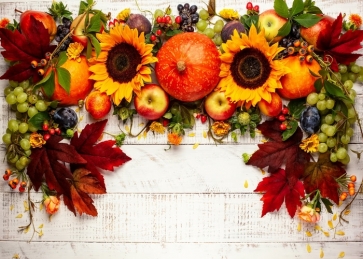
193	9
310	120
66	118
180	7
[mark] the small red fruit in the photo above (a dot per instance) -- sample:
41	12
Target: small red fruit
23	184
165	122
57	131
285	111
21	189
249	6
46	136
281	117
203	118
158	32
256	8
159	19
6	177
45	126
152	37
178	19
283	126
353	178
51	131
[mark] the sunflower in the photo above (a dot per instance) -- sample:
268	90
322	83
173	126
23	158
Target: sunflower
122	66
249	71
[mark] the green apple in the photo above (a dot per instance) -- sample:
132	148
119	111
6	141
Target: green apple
271	22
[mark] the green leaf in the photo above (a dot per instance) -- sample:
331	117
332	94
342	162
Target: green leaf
95	43
297	7
307	20
38	119
285	29
296	106
342	107
168	115
335	91
281	8
314	10
48	86
95	23
328	204
307	3
62	58
64	78
293	125
318	84
313	73
43	81
187	116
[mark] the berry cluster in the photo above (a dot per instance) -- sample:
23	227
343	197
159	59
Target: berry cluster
49	130
163	23
188	16
252	9
350	188
40	65
203	117
283	117
290	40
62	32
298	47
13	183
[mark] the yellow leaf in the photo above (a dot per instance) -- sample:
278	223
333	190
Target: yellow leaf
263	172
11	207
139	137
335	216
341	255
205	134
19	216
40	233
127	128
40	226
16	256
299	227
144	134
317	227
26	206
26	230
141	124
191	134
347	212
330	224
76	110
308	248
321	253
41	207
246	184
308	233
326	234
195	145
340	233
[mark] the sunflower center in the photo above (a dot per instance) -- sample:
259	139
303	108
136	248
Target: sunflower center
250	68
122	62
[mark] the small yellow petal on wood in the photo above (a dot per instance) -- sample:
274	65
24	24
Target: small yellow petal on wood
141	124
347	212
139	137
317	227
19	216
11	207
195	145
26	230
308	233
263	172
341	255
205	134
127	128
41	207
340	233
41	226
191	134
26	206
144	134
308	248
16	256
299	226
246	184
40	233
321	253
330	224
335	216
326	234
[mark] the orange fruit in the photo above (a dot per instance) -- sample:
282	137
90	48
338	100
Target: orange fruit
299	82
80	85
273	108
98	104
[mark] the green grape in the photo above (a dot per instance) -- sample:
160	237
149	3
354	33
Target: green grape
361	71
41	106
352	76
331	130
32	98
349	132
203	14
28	152
360	78
220	21
331	142
21	97
321	105
13	107
11	98
25	84
218	27
333	157
32	128
345	139
341	153
18	90
8	90
312	98
352	94
351	112
158	13
201	25
355	68
24	160
322	147
330	104
218	40
7	138
342	68
344	77
12	158
321	96
346	160
324	127
322	137
329	119
32	111
209	32
23	127
338	117
13	125
23	107
19	165
25	144
348	84
13	83
337	76
26	135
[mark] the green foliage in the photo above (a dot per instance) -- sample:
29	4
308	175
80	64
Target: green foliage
58	10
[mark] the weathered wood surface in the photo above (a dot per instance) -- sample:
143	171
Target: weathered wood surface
181	203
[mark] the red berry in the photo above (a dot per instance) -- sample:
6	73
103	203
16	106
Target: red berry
256	8
159	19
163	19
6	177
285	111
281	117
178	19
165	123
46	136
57	131
197	116
249	6
153	37
23	184
21	189
203	118
167	19
8	172
51	131
158	32
45	127
283	126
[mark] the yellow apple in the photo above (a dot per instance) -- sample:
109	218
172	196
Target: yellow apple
271	22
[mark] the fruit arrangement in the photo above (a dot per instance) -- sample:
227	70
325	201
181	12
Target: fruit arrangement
287	73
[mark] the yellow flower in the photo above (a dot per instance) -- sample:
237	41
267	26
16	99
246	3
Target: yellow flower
157	127
356	20
74	51
310	145
174	138
221	128
36	140
124	14
4	22
249	72
229	14
51	204
121	67
308	214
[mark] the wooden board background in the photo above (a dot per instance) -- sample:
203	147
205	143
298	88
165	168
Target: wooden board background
181	203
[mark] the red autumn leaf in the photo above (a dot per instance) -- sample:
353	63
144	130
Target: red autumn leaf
278	188
85	183
102	155
24	50
340	46
322	175
48	163
275	152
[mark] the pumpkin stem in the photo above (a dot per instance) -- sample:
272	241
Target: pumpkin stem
181	65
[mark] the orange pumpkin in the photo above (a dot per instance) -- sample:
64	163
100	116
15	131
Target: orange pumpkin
188	66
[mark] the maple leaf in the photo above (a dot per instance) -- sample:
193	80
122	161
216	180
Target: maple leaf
276	152
340	46
104	155
85	183
322	175
48	163
23	51
278	188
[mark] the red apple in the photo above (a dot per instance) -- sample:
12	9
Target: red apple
271	22
272	108
218	106
152	102
43	17
313	33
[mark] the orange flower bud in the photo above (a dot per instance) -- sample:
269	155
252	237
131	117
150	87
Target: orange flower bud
51	204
